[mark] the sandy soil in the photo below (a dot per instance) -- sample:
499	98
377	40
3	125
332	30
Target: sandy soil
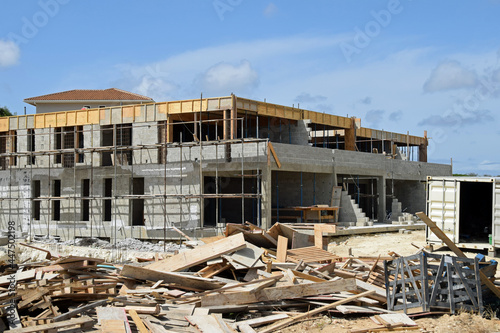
462	323
381	244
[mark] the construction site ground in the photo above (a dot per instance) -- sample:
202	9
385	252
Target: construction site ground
371	245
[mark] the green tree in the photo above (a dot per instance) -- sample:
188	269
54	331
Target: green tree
4	112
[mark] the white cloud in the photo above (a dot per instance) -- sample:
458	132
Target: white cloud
270	10
458	119
9	53
487	165
154	87
184	69
224	78
448	75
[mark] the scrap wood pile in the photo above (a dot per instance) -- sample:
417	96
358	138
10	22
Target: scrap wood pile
249	279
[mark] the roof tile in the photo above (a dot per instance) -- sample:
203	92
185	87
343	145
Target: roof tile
110	94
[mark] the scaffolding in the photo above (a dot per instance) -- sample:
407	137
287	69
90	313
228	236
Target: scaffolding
110	159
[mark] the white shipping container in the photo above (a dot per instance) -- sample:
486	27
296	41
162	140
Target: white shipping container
467	209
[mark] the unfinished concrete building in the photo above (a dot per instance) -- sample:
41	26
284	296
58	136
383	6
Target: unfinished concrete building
139	170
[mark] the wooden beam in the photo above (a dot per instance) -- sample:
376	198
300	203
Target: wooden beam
53	326
278	293
282	248
292	320
138	321
141	273
200	254
273	152
441	235
79	310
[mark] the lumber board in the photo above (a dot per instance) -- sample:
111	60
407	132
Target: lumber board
200	254
379	294
142	273
113	319
245	328
282	248
255	322
53	326
79	310
311	254
248	256
138	321
348	309
273	152
20	276
438	232
207	324
278	293
292	320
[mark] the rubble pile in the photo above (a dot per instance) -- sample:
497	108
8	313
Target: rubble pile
246	280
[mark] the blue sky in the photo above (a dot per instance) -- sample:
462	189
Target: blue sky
398	65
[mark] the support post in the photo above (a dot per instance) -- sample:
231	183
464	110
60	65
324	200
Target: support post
381	189
266	200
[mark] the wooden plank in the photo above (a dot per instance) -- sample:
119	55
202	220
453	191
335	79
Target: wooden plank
318	237
205	323
244	328
438	232
138	321
113	319
273	152
292	320
113	326
152	310
142	273
79	310
255	322
20	276
64	266
53	326
307	276
282	248
379	294
222	324
348	309
200	254
48	255
249	256
278	293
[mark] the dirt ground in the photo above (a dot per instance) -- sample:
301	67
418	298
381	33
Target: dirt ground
381	244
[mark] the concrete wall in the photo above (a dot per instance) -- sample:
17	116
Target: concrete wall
411	194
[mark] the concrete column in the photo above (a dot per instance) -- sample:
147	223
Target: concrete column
381	189
266	201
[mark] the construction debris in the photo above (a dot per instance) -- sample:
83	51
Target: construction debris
236	282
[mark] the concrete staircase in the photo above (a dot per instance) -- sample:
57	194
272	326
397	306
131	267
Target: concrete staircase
350	213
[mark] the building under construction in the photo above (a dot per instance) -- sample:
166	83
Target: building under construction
140	170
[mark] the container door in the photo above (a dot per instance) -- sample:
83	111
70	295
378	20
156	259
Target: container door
496	214
443	207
